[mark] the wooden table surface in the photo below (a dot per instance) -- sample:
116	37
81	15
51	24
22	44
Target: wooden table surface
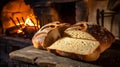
44	58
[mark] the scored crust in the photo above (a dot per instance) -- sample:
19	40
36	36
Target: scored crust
41	41
91	31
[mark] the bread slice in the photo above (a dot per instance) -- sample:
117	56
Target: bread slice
78	34
76	48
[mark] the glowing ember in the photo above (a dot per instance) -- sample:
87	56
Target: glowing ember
19	31
29	22
20	24
30	25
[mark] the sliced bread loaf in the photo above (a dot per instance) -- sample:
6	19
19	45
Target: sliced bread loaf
76	48
93	32
48	34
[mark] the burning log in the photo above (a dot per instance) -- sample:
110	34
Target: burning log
13	31
23	20
13	21
26	30
19	22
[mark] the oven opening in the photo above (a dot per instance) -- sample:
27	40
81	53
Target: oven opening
66	12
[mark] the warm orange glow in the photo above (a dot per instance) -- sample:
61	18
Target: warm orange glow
29	22
19	31
20	24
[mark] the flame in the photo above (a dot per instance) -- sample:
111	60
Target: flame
29	22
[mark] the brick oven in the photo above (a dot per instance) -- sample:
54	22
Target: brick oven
69	11
21	17
18	19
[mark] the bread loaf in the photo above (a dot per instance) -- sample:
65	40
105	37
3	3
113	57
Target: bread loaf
48	34
80	49
93	31
83	41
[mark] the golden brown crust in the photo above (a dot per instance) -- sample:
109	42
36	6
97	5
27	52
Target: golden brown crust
38	41
91	57
41	41
101	34
79	26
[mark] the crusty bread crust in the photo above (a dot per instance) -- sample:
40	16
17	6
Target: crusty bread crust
39	40
91	32
91	57
51	33
48	34
100	33
78	26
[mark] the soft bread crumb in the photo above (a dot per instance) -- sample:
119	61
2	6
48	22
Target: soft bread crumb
79	34
78	46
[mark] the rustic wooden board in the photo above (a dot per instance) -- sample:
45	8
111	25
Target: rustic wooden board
44	58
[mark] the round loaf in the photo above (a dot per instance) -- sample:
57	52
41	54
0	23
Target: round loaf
93	31
81	36
48	34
